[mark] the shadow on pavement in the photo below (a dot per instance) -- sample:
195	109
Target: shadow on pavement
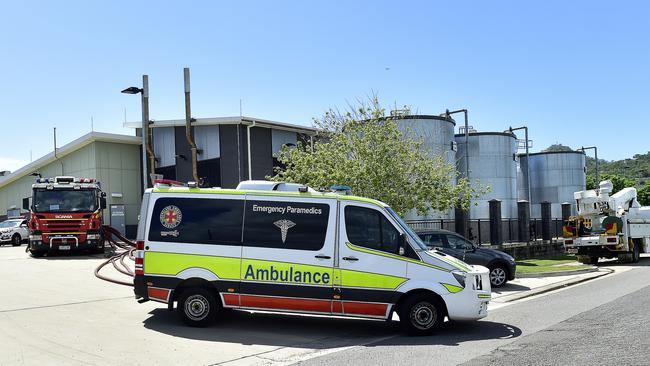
318	332
454	333
72	255
508	287
643	262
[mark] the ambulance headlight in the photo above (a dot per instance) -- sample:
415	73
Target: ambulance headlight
460	277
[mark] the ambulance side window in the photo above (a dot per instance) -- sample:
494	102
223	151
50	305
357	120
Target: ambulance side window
370	229
285	225
197	220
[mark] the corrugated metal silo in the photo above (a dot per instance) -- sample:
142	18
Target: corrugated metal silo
438	136
492	161
554	177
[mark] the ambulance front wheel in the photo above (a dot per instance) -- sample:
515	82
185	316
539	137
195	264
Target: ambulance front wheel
197	307
421	314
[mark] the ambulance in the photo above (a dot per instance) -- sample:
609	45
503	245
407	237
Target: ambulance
284	247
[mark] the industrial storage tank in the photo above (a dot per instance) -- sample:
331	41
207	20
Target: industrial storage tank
492	161
554	177
437	133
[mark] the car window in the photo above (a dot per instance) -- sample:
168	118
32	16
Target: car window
432	240
370	229
456	242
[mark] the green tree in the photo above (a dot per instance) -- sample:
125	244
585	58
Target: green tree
366	150
643	195
618	181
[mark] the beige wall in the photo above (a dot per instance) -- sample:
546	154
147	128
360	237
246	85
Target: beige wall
115	165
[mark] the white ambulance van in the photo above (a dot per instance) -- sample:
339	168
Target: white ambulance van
282	247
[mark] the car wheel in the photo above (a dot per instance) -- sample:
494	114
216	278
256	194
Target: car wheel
197	307
498	276
16	240
421	314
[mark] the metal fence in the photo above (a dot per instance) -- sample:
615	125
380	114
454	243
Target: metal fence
479	229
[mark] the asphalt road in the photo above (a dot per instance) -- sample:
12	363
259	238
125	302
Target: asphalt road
596	322
53	311
617	333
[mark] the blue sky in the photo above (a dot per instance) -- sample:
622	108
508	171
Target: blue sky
576	72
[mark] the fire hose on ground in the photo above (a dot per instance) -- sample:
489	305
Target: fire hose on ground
117	259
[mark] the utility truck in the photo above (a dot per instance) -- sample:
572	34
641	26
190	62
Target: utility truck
65	215
608	225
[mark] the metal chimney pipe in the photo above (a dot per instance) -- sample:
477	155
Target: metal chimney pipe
188	122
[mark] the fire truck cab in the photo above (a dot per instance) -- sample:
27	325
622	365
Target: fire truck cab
66	215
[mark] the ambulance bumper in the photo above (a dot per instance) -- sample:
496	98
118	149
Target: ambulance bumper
472	302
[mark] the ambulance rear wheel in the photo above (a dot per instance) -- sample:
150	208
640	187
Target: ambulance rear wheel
421	314
197	307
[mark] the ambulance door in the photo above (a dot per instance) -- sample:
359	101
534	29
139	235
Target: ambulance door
370	267
288	254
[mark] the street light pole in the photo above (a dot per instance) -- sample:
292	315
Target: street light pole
525	128
595	157
145	130
465	215
464	111
148	165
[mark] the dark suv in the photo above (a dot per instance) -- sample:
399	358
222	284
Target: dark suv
502	266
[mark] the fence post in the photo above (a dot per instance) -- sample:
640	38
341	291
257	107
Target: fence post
566	211
496	234
546	220
461	221
523	215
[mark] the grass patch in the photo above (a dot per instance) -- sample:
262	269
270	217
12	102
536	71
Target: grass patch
550	264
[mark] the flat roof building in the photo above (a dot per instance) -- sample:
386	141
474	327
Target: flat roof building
224	145
114	160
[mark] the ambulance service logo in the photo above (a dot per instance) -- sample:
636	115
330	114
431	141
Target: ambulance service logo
171	216
284	226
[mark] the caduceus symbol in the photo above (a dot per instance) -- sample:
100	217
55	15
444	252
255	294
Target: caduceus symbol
284	226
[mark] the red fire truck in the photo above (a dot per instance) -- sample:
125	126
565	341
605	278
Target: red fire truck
66	215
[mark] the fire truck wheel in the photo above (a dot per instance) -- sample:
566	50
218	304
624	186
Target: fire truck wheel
16	240
37	253
197	307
